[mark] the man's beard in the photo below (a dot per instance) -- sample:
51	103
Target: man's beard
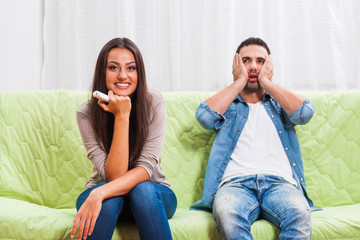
252	87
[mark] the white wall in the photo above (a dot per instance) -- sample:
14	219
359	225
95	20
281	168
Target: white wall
20	45
187	45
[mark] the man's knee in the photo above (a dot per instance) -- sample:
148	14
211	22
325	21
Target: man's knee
298	224
300	213
234	215
224	206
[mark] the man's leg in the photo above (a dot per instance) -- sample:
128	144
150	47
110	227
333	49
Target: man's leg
235	208
286	207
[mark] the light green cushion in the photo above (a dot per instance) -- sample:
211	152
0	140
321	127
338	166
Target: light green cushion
43	165
43	160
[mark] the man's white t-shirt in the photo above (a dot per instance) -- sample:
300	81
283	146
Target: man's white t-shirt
259	149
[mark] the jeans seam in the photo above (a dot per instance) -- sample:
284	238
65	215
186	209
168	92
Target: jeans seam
252	209
272	214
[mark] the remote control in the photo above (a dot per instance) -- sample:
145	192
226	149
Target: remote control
101	96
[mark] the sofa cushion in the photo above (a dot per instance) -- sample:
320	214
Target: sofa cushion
23	220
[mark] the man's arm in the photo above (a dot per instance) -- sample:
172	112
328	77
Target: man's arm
221	101
288	100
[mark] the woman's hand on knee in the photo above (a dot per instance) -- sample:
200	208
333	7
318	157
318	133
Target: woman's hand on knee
86	217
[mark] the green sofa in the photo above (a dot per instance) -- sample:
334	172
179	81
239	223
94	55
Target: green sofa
43	165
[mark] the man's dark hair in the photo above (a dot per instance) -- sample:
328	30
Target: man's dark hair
253	41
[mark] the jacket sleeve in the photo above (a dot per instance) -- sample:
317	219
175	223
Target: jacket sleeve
303	114
208	118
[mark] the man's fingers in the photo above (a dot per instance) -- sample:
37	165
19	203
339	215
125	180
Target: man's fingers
270	64
268	60
236	61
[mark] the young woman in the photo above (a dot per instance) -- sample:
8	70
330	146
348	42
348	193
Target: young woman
123	138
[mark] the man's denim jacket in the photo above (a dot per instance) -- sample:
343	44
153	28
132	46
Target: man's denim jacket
229	127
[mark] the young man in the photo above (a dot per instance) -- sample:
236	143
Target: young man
255	168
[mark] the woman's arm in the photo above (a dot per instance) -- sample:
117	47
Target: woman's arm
117	161
88	213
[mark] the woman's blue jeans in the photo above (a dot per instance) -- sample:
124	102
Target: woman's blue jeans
241	201
149	204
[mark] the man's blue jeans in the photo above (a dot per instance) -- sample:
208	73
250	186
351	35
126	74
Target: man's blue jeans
241	201
149	204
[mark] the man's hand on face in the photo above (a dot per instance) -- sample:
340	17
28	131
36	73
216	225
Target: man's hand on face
266	72
239	70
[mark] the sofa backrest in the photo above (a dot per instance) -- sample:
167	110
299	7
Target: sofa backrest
43	161
330	145
187	146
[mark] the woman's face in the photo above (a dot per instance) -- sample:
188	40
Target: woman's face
121	74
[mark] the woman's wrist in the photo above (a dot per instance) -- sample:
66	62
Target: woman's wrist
122	117
98	193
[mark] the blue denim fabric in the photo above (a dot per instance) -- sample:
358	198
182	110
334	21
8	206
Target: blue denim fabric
241	201
229	127
150	204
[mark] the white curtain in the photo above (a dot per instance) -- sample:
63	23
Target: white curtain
188	45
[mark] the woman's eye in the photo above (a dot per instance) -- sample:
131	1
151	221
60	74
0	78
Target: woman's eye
132	68
112	68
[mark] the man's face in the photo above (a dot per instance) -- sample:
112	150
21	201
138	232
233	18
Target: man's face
253	57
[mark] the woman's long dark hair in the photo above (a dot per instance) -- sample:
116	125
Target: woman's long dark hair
103	122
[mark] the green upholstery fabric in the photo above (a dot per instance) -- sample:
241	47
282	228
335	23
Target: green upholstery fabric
43	165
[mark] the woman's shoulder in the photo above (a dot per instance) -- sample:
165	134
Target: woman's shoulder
84	108
156	97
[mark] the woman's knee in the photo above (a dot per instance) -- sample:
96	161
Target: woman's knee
144	192
143	189
112	206
151	198
85	194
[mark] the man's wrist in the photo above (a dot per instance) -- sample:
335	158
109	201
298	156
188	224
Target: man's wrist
240	83
265	83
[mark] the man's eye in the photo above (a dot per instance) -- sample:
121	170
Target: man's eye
261	61
245	60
